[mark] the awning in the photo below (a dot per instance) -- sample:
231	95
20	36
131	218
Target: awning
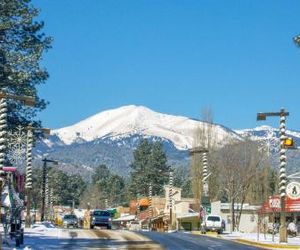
187	215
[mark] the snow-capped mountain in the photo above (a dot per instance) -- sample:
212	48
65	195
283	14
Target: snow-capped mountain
269	137
137	120
110	137
268	134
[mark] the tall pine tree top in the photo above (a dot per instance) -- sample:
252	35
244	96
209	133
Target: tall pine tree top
149	166
22	44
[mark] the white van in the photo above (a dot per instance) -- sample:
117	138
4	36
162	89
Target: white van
213	223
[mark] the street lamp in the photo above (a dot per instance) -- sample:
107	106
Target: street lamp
28	184
28	101
45	185
284	142
297	40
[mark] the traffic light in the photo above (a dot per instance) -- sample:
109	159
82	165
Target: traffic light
288	143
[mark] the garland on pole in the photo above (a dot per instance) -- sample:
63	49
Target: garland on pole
29	160
3	133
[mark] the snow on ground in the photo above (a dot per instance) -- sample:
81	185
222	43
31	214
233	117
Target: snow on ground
54	238
261	238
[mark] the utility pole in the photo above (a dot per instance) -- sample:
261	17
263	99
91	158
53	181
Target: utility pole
47	196
204	196
285	143
51	204
44	190
170	199
44	183
3	135
205	173
28	185
282	178
150	205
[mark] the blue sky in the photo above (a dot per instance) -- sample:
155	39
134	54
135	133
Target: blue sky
172	56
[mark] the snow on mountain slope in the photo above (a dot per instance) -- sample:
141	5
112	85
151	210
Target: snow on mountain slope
129	120
265	132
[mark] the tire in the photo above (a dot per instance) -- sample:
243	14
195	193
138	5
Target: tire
108	227
91	226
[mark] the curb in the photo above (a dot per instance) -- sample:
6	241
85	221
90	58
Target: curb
250	243
271	246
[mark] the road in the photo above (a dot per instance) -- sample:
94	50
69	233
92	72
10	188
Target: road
123	239
187	241
87	239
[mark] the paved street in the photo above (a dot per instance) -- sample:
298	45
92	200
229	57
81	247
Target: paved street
123	239
186	241
87	239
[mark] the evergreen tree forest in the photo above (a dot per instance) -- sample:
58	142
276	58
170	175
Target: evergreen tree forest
22	45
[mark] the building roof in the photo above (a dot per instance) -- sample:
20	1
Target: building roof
237	206
187	215
125	218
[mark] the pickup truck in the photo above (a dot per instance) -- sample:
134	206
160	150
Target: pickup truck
101	218
213	223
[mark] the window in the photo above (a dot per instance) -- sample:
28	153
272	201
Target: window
101	213
213	218
70	216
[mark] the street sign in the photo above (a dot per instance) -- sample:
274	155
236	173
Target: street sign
208	209
293	190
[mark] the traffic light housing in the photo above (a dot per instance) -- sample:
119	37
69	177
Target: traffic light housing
288	143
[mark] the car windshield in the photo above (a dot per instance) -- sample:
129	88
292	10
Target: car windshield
213	218
70	217
101	213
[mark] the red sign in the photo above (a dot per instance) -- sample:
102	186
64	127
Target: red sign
273	205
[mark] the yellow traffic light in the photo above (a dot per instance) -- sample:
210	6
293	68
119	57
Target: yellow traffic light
288	142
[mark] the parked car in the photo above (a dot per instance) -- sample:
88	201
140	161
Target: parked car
101	218
213	223
134	225
70	220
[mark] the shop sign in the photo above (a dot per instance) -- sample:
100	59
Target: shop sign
293	190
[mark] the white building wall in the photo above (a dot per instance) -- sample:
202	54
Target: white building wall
248	221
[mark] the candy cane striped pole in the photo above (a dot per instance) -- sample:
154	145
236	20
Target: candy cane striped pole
3	135
205	173
282	176
28	184
170	197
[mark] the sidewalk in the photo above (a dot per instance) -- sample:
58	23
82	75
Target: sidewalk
260	240
31	237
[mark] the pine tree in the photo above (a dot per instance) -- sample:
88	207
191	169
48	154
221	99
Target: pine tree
149	166
22	44
111	186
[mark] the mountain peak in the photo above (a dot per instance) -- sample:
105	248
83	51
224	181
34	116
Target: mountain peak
131	119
